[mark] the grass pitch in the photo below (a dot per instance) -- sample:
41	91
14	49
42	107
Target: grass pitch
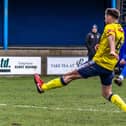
79	104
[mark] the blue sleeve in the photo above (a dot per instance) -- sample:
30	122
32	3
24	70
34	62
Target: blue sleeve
123	48
122	52
124	57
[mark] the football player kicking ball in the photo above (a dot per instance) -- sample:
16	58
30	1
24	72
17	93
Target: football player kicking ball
102	64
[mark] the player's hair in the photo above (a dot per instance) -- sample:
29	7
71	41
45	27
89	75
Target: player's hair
115	13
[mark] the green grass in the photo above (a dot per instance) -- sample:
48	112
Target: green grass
79	104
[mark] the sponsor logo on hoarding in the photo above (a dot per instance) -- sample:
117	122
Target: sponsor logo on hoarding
62	65
20	65
4	65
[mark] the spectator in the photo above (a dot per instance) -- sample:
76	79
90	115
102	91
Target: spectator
92	39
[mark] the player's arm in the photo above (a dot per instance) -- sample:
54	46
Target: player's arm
111	39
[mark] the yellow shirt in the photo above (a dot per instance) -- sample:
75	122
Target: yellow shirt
102	56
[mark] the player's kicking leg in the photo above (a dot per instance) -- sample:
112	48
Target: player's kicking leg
55	83
88	70
65	79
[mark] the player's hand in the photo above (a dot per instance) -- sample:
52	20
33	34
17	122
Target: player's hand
96	47
122	62
115	55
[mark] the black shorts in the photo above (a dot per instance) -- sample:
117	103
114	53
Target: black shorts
91	69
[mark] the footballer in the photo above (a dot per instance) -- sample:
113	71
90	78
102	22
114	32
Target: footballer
102	64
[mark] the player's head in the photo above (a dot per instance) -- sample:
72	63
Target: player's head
111	15
94	28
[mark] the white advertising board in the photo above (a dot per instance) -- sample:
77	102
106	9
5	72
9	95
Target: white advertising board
20	65
62	65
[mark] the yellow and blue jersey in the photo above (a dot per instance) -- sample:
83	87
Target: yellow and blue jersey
102	56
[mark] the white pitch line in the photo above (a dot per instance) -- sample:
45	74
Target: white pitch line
3	104
60	109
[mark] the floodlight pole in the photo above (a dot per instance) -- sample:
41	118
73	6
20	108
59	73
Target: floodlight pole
5	30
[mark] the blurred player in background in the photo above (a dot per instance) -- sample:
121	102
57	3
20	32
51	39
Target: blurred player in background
92	39
102	65
122	64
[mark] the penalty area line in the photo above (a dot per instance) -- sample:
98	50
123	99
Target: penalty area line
59	108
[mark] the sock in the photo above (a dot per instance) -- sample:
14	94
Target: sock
121	77
55	83
115	99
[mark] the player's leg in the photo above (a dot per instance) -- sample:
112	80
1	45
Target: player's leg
114	98
87	70
119	79
57	82
107	92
